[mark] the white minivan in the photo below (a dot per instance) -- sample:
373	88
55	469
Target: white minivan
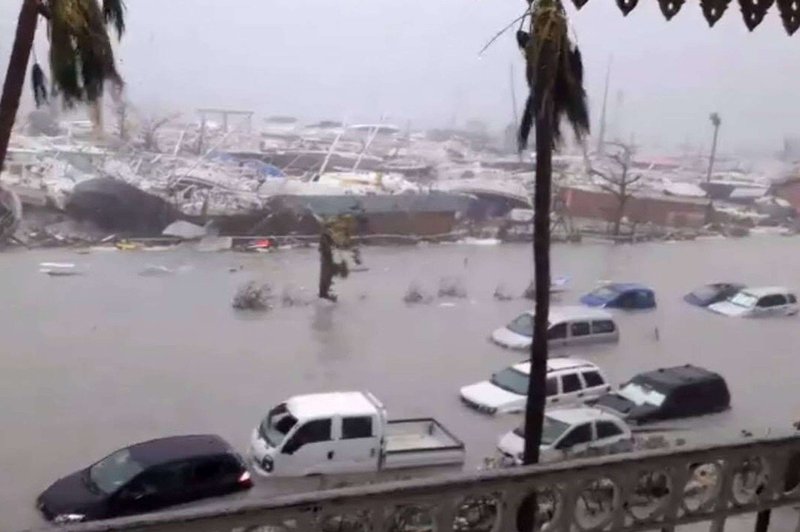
570	381
569	325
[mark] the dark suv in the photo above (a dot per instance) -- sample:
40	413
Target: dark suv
668	393
146	477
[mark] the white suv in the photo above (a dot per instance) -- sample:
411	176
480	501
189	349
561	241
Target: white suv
571	433
570	381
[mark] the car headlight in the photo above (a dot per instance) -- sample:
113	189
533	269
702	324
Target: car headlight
267	464
62	519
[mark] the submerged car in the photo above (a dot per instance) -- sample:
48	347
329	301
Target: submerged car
569	325
709	294
569	381
627	296
146	477
571	433
758	303
668	393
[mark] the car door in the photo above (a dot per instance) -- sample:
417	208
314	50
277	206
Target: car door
557	334
576	442
604	331
580	332
156	488
791	305
552	391
212	476
594	383
571	388
358	448
608	435
308	450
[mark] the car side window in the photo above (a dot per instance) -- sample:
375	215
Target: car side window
557	332
578	435
603	327
552	387
579	328
791	298
354	428
774	300
312	432
607	429
570	382
593	379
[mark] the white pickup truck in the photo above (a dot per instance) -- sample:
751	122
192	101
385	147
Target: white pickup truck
344	433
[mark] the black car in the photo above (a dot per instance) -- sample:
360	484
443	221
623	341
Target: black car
712	293
669	393
146	477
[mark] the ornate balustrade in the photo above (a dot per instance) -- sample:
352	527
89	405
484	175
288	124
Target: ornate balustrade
655	490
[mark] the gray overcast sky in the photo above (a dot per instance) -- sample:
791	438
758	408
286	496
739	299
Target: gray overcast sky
417	60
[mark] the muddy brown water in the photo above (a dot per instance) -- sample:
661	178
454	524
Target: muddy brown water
94	362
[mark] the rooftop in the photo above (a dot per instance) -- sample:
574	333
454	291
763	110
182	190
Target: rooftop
164	450
568	312
573	416
759	291
678	375
557	364
319	405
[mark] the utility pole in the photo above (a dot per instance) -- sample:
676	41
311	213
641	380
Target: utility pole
715	121
602	133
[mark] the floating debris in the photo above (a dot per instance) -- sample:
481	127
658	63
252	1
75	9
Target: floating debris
415	294
501	293
152	270
252	296
452	287
557	285
59	269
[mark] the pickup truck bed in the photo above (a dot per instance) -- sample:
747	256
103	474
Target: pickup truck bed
420	442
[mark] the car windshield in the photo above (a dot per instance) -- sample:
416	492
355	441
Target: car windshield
277	425
511	380
641	394
552	429
114	471
743	299
605	292
522	324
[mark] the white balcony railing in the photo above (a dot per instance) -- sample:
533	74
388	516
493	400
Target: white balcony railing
656	490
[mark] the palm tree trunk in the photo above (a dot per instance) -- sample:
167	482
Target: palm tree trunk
534	411
16	73
713	153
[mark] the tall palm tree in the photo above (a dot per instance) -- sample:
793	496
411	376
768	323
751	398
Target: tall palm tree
555	79
81	56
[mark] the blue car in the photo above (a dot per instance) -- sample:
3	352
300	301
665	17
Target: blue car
629	296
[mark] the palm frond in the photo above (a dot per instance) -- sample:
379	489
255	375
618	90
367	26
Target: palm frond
81	56
114	13
550	53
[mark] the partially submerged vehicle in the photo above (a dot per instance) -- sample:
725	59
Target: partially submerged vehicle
571	433
569	382
708	294
147	477
626	296
762	302
668	393
344	433
569	325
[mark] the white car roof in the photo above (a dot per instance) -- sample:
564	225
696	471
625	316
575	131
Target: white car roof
558	364
575	416
320	405
760	291
575	312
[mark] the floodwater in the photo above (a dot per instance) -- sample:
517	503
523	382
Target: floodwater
95	362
